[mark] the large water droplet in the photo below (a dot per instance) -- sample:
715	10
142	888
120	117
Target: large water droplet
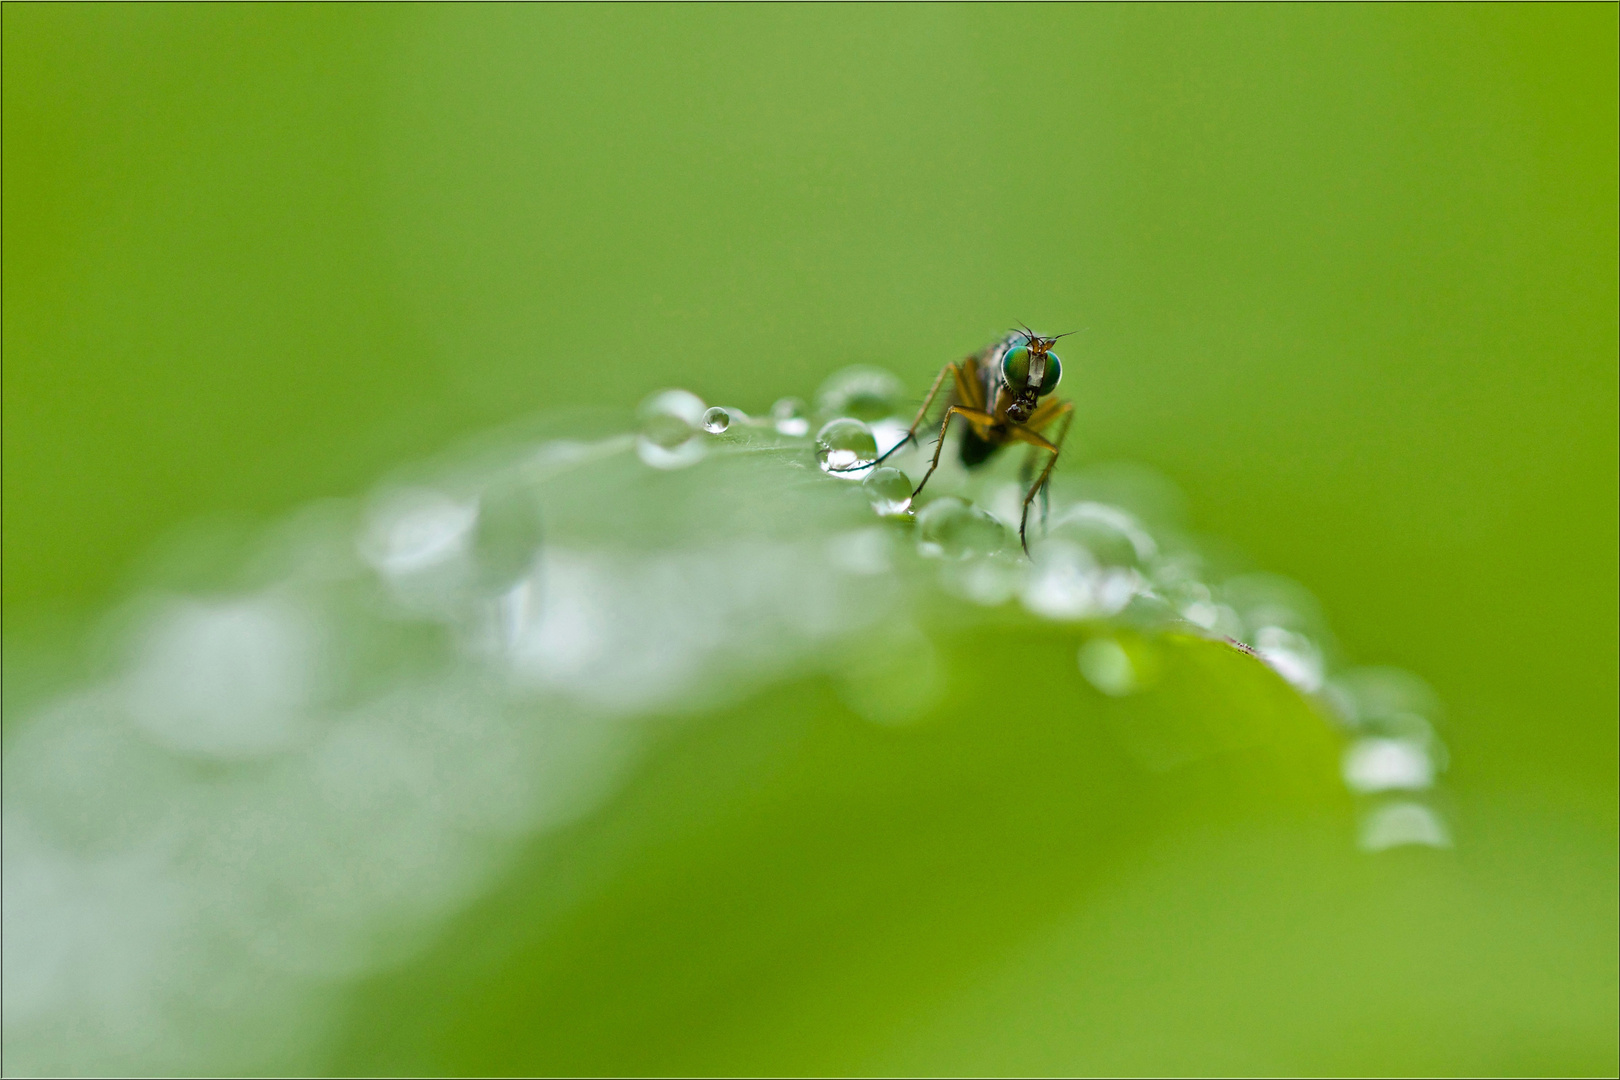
791	417
866	393
949	528
889	491
846	448
669	420
716	420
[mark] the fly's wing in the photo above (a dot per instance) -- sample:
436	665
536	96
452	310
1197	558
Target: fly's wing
967	387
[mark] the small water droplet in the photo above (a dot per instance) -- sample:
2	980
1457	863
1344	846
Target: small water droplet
1372	765
949	528
866	393
846	448
1107	666
791	417
669	420
716	420
1397	824
889	491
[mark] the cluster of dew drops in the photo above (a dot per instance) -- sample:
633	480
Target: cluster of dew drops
1393	756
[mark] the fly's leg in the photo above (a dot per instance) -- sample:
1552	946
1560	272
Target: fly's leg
1066	411
1026	472
911	432
972	415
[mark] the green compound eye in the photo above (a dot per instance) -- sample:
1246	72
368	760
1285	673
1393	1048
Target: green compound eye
1015	370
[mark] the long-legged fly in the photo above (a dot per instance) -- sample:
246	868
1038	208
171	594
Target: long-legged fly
1004	393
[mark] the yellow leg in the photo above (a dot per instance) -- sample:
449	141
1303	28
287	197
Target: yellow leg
1066	411
976	416
964	376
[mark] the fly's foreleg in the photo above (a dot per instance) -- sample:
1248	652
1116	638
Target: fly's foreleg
1066	411
974	415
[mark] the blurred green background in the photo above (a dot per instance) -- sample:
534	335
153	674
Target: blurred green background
1347	274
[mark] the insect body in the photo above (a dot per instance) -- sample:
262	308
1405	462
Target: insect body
1004	393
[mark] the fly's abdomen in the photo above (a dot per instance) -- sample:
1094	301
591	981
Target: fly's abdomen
974	449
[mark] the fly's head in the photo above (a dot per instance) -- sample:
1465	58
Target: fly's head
1029	370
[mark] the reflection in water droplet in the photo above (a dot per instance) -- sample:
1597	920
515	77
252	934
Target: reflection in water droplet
845	448
889	491
866	393
1401	823
1387	765
1107	666
669	419
716	420
949	528
791	417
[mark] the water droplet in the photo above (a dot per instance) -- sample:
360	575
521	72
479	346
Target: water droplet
1113	536
865	393
669	420
1107	666
791	417
416	530
716	420
508	536
989	581
1293	656
949	528
1385	700
1401	823
845	448
889	491
1387	765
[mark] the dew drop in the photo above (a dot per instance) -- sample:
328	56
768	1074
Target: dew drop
1120	664
949	528
716	420
889	491
846	448
1294	656
1400	823
866	393
791	417
1107	666
669	420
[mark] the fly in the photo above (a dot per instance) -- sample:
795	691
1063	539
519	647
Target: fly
1004	394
